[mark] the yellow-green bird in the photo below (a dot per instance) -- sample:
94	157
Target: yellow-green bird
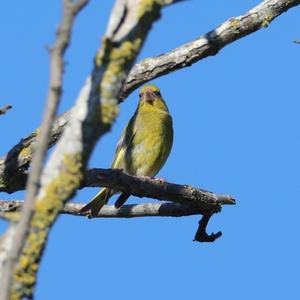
144	146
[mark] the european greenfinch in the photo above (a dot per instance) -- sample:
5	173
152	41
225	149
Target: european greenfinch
144	146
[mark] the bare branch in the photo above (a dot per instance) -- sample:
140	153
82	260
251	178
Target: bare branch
4	109
78	6
18	159
188	200
129	211
55	89
201	234
109	211
209	44
153	188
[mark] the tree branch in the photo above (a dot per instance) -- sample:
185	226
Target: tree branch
17	160
6	241
201	234
206	45
4	109
188	200
129	211
153	188
109	211
70	11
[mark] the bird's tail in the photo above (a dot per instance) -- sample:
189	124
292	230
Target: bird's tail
94	206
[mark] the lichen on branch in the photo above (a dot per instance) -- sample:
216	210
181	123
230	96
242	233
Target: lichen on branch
95	112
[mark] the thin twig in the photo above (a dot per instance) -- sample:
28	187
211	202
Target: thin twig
70	11
109	211
5	108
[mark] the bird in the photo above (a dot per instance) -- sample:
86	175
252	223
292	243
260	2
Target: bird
143	148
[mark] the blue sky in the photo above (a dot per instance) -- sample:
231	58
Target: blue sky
236	123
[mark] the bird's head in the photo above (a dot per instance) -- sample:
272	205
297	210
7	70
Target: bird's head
150	96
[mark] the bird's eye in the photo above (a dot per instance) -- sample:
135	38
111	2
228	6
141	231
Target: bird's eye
157	93
140	95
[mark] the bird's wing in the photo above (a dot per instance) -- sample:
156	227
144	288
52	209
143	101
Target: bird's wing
124	144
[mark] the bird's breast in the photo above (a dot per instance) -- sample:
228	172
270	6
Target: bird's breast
151	145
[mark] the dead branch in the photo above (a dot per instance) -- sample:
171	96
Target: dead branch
147	187
130	211
152	188
109	211
5	108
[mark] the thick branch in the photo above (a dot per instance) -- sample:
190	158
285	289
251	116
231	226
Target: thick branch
152	188
18	159
147	187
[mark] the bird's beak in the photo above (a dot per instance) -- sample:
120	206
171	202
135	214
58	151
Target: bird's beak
148	96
